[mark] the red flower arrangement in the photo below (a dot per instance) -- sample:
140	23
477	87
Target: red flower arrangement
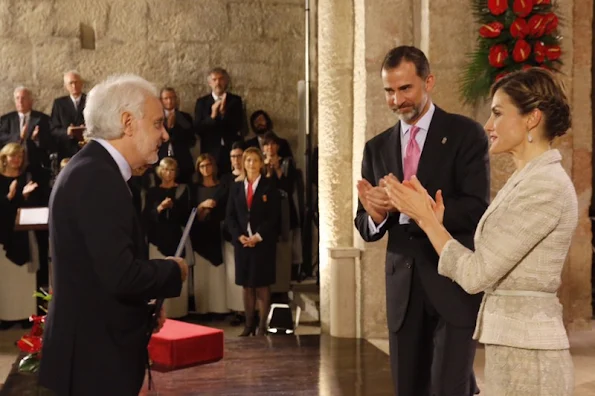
31	343
513	35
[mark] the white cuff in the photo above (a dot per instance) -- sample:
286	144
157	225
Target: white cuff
375	229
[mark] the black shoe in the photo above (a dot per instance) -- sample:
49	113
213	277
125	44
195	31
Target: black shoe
248	331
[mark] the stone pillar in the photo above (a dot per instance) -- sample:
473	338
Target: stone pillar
377	30
577	150
335	125
342	292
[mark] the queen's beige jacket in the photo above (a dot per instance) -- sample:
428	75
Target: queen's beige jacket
521	244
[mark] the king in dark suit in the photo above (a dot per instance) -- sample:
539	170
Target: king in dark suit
99	321
219	119
430	318
67	112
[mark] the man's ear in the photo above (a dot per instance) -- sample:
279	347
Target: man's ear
126	119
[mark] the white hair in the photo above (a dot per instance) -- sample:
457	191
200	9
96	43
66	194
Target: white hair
74	73
22	88
110	98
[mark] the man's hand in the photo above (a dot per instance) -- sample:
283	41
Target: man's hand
171	120
160	320
374	200
182	264
24	131
35	134
69	130
216	108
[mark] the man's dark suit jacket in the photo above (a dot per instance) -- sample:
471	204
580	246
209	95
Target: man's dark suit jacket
95	338
455	160
284	148
65	114
182	138
227	127
37	152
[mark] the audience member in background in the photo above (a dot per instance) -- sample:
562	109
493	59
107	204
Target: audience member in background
18	251
283	172
261	124
209	197
181	135
219	119
253	221
166	212
68	121
31	129
234	292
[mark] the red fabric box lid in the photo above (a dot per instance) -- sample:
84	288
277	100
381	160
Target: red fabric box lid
181	344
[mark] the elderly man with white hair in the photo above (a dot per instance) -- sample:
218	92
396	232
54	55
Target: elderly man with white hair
67	119
29	128
96	333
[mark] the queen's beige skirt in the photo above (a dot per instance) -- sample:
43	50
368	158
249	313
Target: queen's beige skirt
528	372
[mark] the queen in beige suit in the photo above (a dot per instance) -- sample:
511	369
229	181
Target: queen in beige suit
521	242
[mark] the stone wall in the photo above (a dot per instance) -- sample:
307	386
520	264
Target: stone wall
169	42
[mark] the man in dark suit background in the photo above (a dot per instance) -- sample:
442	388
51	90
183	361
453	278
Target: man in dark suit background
219	119
430	318
98	326
67	116
261	123
181	135
28	127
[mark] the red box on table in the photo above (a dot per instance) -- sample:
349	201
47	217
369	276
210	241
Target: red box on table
181	344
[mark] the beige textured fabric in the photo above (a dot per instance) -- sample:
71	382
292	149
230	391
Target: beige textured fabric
517	371
521	244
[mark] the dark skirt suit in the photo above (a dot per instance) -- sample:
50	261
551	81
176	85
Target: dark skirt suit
255	267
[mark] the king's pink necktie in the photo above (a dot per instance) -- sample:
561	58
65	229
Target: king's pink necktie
412	154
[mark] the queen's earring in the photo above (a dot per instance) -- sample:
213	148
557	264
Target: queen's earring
529	138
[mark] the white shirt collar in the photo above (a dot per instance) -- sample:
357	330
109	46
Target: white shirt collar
167	112
423	123
124	166
254	184
76	100
28	114
215	96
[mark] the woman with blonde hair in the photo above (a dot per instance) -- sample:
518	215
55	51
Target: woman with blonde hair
521	242
253	212
166	211
19	256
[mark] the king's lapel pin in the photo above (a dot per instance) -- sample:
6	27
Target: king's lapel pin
264	198
444	140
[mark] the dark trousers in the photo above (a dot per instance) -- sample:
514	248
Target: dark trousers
428	355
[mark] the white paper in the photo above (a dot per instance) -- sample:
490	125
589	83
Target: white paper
32	216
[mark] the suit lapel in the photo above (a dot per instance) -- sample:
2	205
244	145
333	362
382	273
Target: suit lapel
391	155
434	148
